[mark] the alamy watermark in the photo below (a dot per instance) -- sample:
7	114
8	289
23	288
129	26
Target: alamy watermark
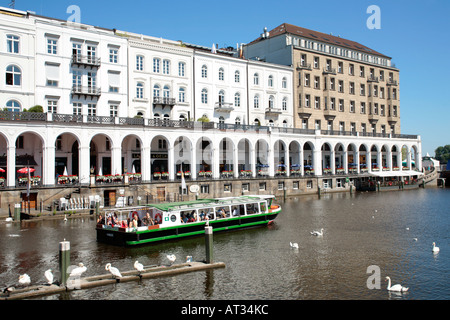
75	12
374	20
374	280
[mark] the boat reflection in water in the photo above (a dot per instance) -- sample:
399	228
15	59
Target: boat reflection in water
165	221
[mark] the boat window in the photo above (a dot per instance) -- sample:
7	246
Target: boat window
263	207
188	216
252	208
206	214
222	212
237	210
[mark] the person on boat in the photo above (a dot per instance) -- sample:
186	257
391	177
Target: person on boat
202	215
134	222
147	220
235	212
184	218
100	220
221	213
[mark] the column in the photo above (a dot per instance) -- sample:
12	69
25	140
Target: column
84	164
271	161
389	160
48	166
215	162
193	163
380	160
358	170
235	162
302	160
287	161
170	163
345	162
146	163
253	162
369	161
333	162
408	159
11	165
116	161
317	156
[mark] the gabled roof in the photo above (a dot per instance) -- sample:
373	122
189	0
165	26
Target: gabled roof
319	36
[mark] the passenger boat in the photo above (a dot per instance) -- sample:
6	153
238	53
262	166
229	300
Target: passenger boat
165	221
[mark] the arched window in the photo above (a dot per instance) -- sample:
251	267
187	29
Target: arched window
271	102
237	121
140	90
270	82
182	94
284	104
256	122
166	91
156	116
204	96
237	76
256	79
221	74
285	124
204	71
221	120
256	102
156	90
13	75
271	123
13	105
237	99
221	97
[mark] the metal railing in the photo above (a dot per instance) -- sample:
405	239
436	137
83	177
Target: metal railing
87	60
89	90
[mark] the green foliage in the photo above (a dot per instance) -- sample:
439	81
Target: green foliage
203	119
443	154
36	108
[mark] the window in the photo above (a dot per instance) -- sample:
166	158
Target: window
140	90
114	81
52	106
52	74
332	84
307	101
341	105
227	187
76	51
113	55
256	102
351	69
340	67
76	80
12	43
182	94
237	120
237	99
284	83
156	64
92	109
262	186
245	187
156	90
363	107
316	82
271	102
204	188
317	125
204	96
316	62
237	76
362	90
181	69
77	108
91	53
304	123
166	91
221	74
352	88
280	185
52	46
92	80
256	79
113	110
166	66
352	106
363	128
13	105
13	76
295	185
270	82
341	126
316	102
204	71
307	84
352	127
221	97
139	63
341	86
361	71
284	104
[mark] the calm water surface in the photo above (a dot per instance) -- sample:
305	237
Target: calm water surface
360	230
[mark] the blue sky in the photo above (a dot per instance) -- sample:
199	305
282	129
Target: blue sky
413	33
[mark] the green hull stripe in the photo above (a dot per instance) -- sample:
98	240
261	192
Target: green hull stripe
195	232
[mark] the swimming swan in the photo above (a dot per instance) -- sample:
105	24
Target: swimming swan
396	287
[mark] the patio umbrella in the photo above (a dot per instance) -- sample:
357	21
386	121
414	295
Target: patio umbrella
133	170
100	173
2	170
25	170
65	171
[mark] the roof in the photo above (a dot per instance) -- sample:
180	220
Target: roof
319	36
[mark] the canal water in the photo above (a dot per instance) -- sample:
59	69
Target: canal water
391	232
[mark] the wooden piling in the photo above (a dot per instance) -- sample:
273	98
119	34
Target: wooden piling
209	244
64	260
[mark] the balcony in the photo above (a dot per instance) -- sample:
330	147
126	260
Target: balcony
392	119
329	70
372	79
90	61
304	66
330	114
89	91
273	111
391	82
304	112
164	101
223	107
373	117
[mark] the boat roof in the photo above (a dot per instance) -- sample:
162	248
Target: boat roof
170	206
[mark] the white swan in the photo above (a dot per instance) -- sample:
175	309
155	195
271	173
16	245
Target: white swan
395	287
9	219
317	233
24	279
435	249
78	270
171	258
293	245
49	276
138	266
114	271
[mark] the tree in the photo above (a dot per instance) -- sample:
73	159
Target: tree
443	154
203	119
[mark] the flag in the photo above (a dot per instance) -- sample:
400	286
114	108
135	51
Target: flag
183	182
